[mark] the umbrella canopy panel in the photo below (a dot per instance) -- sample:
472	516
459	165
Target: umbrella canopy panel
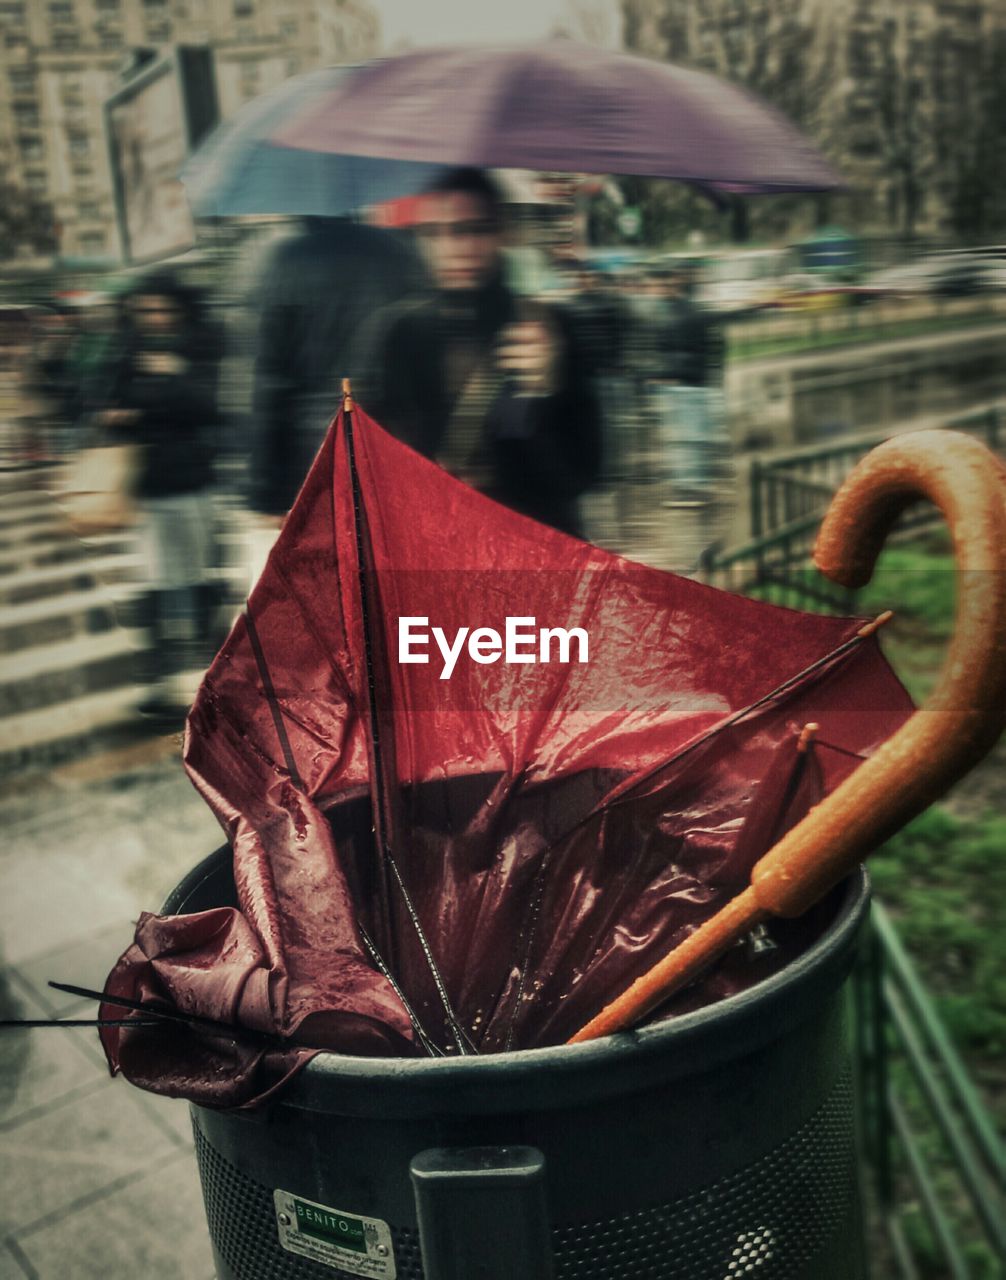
240	170
563	107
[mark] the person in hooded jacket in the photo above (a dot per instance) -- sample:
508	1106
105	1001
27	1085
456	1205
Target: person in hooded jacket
163	398
316	291
314	296
490	385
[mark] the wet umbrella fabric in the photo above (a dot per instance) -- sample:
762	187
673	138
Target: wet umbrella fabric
239	170
556	826
564	107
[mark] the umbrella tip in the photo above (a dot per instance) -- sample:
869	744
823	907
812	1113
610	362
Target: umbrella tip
876	624
347	396
807	734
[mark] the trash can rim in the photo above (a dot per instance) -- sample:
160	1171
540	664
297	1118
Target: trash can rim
564	1075
838	937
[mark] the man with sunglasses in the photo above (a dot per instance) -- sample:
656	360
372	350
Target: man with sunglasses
490	385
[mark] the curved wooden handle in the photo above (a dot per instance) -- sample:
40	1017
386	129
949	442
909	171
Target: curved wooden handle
966	712
944	739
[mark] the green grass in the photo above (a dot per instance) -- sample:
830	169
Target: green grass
944	877
918	584
944	881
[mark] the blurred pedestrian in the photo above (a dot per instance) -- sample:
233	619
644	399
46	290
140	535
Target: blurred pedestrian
682	362
600	318
163	397
691	342
96	355
317	290
51	383
491	386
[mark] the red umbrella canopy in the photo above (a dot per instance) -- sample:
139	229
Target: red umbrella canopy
564	107
477	775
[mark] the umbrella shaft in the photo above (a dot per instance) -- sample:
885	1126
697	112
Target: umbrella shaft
676	970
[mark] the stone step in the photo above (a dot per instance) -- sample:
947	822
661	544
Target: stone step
66	730
57	673
71	647
25	535
27	515
92	722
40	582
54	551
14	478
12	500
77	614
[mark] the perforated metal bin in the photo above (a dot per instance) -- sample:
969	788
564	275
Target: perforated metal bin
717	1145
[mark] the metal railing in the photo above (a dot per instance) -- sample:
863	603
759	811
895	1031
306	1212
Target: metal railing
784	331
778	567
934	1163
789	487
788	496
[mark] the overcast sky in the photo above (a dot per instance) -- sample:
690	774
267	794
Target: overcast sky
445	21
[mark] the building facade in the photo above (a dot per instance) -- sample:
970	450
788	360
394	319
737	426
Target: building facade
60	60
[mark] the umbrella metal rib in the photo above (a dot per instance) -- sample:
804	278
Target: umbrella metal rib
386	859
165	1015
34	1024
632	784
429	1045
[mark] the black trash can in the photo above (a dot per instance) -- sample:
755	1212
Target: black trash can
716	1145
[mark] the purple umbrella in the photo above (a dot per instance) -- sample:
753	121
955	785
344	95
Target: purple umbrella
563	107
239	170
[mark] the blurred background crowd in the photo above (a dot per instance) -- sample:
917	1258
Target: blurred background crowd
470	309
612	355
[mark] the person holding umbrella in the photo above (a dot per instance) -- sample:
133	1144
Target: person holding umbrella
554	106
490	385
314	292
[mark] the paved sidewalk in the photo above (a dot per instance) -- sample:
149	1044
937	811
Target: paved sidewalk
97	1179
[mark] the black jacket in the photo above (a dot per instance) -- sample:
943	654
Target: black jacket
678	340
177	423
318	291
542	452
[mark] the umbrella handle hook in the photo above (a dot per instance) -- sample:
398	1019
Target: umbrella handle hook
937	745
965	714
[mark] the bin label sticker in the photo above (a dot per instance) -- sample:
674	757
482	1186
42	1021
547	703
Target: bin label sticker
360	1246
